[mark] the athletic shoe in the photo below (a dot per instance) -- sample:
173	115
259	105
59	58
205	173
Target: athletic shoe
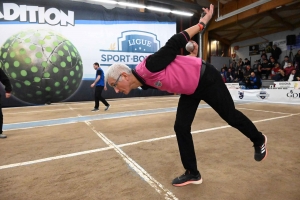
107	107
261	152
3	136
95	110
186	179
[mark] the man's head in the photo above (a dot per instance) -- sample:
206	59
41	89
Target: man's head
293	72
286	58
272	60
120	77
96	65
252	74
289	64
248	67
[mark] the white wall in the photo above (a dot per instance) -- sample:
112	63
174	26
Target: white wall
218	62
244	51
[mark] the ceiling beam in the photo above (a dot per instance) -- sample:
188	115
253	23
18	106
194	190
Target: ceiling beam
228	26
263	26
247	14
280	20
275	30
293	6
219	38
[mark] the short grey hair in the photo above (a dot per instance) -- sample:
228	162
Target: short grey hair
115	70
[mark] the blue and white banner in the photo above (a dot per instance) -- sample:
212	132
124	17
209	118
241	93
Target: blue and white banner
287	96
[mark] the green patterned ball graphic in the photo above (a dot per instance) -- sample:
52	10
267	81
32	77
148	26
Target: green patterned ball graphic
42	66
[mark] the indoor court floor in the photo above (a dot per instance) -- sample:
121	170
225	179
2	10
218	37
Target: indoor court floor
64	151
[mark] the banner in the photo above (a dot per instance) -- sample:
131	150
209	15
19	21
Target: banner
287	96
281	44
48	49
286	84
267	46
233	85
254	50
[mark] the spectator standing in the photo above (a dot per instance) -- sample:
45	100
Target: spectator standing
6	82
99	85
275	52
296	60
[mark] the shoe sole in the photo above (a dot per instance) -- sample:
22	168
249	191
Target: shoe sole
265	147
189	182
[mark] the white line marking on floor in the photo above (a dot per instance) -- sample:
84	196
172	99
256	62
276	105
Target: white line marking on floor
263	111
135	166
172	98
69	107
54	158
128	144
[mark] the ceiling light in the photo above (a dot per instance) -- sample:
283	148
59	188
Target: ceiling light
158	9
131	5
243	9
105	1
128	4
181	13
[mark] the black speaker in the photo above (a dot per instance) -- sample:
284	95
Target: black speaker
291	40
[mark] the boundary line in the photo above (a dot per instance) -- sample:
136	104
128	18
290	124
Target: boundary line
135	166
127	144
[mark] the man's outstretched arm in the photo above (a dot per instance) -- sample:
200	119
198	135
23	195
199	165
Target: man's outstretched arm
165	55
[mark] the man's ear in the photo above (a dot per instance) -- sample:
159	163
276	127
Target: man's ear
125	75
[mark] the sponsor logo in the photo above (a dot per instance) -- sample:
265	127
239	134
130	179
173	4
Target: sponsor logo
291	94
36	14
158	84
232	85
263	95
241	94
132	48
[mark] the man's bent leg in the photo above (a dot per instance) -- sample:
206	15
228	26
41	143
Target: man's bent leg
219	98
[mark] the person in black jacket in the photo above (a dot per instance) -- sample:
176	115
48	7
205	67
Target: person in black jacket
5	81
275	51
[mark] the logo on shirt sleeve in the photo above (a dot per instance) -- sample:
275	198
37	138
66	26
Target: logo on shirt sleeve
158	84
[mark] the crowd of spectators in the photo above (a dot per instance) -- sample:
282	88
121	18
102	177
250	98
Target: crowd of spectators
251	76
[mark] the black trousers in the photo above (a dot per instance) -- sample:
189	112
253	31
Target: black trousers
214	92
98	97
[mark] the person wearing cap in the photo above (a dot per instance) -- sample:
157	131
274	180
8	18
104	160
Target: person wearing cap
5	81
